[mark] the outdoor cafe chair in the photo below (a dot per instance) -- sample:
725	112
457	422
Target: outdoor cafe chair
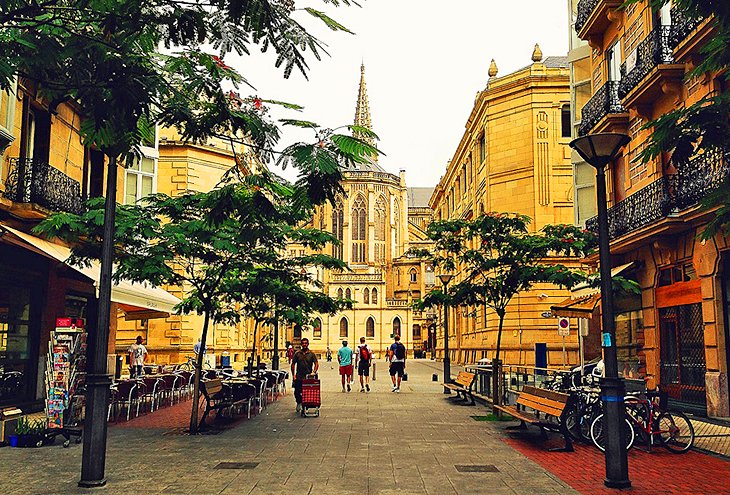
150	387
124	394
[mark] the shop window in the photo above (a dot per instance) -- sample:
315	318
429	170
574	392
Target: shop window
343	327
370	328
628	326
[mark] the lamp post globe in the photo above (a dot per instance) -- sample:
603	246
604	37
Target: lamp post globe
598	150
445	279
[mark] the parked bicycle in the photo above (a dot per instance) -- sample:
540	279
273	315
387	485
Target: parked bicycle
587	408
191	364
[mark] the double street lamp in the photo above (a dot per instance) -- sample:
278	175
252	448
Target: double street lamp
445	279
598	150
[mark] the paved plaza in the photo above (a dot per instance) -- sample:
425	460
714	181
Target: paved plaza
415	442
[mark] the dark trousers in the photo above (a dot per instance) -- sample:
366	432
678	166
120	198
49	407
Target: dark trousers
298	390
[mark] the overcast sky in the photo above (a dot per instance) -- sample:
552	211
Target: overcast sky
425	60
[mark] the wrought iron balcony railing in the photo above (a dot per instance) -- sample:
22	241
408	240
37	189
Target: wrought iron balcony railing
653	50
35	181
668	194
682	25
605	101
585	9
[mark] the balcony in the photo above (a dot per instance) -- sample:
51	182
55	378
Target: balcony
682	26
604	104
650	70
594	16
33	181
667	195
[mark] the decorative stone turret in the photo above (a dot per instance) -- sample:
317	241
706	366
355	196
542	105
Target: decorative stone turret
537	54
493	69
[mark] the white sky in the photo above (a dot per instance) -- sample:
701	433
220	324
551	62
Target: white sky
424	62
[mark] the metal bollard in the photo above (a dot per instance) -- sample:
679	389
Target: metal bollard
435	377
374	371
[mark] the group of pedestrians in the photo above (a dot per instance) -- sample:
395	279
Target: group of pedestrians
304	363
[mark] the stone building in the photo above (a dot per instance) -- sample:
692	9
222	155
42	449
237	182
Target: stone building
513	157
376	220
675	333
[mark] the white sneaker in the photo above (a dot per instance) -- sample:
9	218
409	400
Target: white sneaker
397	390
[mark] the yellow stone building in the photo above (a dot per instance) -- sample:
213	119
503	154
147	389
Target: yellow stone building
376	220
180	167
513	157
633	68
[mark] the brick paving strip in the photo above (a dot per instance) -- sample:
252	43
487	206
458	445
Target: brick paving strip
415	442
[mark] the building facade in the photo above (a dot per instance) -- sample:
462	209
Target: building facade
513	157
376	220
675	333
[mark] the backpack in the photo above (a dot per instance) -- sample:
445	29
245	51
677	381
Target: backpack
400	351
364	353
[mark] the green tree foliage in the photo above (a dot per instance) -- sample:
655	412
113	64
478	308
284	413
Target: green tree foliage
223	247
703	127
498	257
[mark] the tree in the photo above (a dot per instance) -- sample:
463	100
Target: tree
497	258
703	127
222	247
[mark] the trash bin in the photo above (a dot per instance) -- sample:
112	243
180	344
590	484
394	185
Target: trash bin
225	359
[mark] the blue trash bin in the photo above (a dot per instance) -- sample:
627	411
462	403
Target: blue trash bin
225	360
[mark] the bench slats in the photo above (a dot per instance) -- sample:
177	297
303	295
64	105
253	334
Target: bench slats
547	394
539	404
464	378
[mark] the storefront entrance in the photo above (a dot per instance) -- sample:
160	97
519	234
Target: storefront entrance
683	355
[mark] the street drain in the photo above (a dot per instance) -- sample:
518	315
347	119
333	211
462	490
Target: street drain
236	465
476	468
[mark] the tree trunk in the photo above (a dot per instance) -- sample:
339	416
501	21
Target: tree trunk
497	369
499	334
253	349
196	381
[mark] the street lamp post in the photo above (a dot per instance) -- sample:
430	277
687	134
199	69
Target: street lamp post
598	150
445	279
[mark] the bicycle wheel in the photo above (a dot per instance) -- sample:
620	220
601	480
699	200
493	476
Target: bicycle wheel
676	432
572	422
586	421
599	433
638	411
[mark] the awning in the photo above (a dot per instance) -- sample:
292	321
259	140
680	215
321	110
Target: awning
584	298
135	298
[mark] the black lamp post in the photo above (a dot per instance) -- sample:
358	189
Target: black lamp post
598	150
445	279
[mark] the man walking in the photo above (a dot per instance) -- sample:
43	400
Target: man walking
344	356
363	357
137	353
303	363
397	357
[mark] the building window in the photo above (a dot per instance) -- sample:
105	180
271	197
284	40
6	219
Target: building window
370	328
358	229
338	220
339	293
396	326
482	147
139	179
414	275
343	327
366	296
348	293
317	329
375	296
380	223
565	121
416	333
396	228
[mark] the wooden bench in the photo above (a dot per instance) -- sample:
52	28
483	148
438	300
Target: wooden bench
547	403
463	386
219	398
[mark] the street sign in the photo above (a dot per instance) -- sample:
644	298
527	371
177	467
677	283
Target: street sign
547	314
564	327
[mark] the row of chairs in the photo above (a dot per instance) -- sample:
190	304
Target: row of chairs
149	393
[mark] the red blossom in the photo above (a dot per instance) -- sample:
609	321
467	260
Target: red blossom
257	103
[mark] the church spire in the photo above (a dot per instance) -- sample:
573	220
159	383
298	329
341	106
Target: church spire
362	110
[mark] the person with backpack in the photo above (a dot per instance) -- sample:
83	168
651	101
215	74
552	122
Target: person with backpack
363	357
397	359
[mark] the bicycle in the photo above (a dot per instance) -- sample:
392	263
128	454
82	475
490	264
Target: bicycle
191	364
650	419
586	408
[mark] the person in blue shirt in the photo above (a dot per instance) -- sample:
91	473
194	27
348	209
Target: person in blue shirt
344	356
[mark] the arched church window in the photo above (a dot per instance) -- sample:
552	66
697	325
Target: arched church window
374	295
370	328
348	293
366	296
343	327
338	221
339	293
396	326
358	229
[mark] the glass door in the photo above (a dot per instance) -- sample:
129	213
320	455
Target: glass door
17	376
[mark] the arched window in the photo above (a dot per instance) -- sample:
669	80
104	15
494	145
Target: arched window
413	273
348	293
343	327
396	326
358	229
366	296
339	293
338	221
370	328
374	295
317	329
565	123
380	224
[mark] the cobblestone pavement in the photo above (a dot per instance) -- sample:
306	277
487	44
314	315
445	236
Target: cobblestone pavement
376	443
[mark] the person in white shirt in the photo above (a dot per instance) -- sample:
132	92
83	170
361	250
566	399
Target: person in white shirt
137	354
363	359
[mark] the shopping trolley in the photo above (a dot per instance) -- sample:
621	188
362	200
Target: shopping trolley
311	400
